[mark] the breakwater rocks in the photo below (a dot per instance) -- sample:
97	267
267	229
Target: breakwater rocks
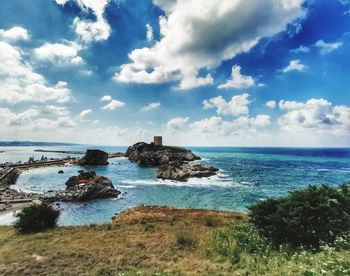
84	187
182	171
173	163
94	158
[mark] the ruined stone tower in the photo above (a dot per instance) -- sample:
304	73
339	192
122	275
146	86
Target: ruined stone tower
158	140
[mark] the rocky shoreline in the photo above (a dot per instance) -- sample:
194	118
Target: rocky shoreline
173	163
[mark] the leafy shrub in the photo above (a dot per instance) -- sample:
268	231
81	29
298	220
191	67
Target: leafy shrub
36	218
184	238
239	238
305	217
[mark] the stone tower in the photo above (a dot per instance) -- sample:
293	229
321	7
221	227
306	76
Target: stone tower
158	140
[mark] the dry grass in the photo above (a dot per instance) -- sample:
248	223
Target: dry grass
141	240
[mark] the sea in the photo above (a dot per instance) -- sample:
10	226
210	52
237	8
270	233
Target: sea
246	176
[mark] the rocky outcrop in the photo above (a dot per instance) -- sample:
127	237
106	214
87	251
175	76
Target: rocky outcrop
94	158
8	177
182	171
155	155
84	187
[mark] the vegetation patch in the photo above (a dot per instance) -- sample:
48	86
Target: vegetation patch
36	218
308	217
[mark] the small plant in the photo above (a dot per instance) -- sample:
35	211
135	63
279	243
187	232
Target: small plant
184	238
36	218
211	222
307	217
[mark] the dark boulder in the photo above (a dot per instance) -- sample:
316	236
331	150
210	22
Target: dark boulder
94	158
154	155
86	186
60	171
181	171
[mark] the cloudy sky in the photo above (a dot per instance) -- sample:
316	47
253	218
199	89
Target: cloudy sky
213	73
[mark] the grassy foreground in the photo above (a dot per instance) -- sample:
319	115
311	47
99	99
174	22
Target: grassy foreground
153	241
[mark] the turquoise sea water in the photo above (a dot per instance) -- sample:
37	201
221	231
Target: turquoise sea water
246	175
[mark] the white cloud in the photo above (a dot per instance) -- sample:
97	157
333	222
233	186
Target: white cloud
33	119
15	33
19	82
198	35
61	2
89	30
85	113
216	126
238	105
271	104
86	29
315	116
237	80
327	48
151	107
106	98
295	65
149	34
113	104
54	111
177	123
59	53
301	49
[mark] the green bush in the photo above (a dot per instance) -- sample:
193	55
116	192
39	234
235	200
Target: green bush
184	238
36	218
307	217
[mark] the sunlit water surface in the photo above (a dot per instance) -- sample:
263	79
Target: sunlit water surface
246	175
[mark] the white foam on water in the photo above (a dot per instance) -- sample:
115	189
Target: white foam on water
7	218
219	180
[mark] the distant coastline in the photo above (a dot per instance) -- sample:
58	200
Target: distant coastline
33	144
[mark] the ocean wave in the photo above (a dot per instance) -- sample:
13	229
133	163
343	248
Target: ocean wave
219	180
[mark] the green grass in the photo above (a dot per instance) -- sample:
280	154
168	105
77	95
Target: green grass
249	252
164	242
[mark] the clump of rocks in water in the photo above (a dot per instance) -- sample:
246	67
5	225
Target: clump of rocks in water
84	187
173	163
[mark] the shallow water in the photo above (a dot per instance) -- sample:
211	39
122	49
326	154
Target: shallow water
246	175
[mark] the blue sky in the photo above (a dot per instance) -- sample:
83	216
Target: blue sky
213	73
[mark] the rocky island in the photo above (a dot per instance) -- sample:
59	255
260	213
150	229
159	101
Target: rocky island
174	163
84	187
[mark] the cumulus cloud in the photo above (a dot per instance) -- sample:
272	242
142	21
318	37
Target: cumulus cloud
271	104
198	35
33	119
15	33
19	82
61	54
177	123
216	126
237	80
238	105
149	34
315	116
113	104
327	48
89	30
151	107
85	113
106	98
295	65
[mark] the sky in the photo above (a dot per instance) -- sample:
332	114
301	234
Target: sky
199	73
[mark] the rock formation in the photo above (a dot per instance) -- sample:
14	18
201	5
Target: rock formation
94	158
173	163
86	186
154	155
181	171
